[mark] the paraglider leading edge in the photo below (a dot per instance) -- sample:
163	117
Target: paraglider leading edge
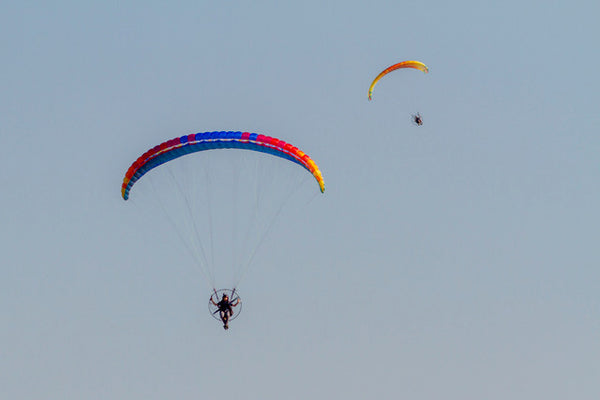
183	145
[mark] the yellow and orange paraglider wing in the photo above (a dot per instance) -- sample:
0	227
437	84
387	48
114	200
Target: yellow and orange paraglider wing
404	64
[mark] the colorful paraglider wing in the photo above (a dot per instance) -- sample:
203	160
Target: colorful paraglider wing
178	147
404	64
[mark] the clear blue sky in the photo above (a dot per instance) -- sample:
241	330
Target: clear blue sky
457	260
